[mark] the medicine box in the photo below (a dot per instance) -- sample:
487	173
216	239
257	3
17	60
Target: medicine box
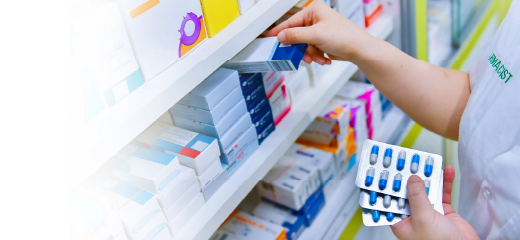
186	214
315	204
297	83
263	120
209	174
218	14
176	187
196	151
266	55
272	80
322	160
235	132
241	158
339	152
256	109
235	150
249	81
265	132
280	104
139	210
243	5
212	90
358	121
162	32
212	117
212	187
373	9
184	199
316	71
254	95
247	227
145	168
293	224
216	131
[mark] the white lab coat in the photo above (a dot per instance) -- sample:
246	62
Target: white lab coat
489	147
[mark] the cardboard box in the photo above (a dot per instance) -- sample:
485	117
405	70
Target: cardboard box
339	152
233	134
259	107
373	9
264	132
213	186
186	214
255	95
247	227
158	31
139	210
212	90
272	80
216	131
241	158
218	14
249	81
280	104
212	117
266	55
210	173
183	201
263	120
293	224
196	151
243	5
316	71
297	83
358	121
233	152
312	207
322	160
145	168
176	187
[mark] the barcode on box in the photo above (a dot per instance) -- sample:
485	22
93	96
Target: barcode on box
282	65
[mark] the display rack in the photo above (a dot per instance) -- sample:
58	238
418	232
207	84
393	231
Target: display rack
226	199
98	139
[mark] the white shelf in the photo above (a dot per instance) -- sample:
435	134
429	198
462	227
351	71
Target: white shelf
204	223
95	141
393	126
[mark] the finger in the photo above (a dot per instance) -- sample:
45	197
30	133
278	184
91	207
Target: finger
307	58
297	20
449	176
316	54
321	55
448	209
298	35
419	203
402	229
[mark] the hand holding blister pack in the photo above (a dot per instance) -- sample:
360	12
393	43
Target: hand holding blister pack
383	174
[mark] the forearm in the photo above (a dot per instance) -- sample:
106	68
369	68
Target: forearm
432	96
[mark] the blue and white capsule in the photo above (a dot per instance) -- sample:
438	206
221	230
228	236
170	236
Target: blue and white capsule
415	163
387	160
370	177
373	198
400	203
373	154
428	167
401	160
387	200
396	186
389	216
376	215
427	185
383	180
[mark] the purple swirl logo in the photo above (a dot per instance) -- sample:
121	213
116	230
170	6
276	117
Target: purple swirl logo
185	39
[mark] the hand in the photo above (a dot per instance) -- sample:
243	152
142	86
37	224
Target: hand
326	31
425	222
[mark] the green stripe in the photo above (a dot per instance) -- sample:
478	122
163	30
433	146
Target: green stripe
412	136
353	226
421	29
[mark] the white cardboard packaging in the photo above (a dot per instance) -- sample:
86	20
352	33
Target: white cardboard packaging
157	31
183	201
272	80
185	215
247	227
243	5
193	150
176	187
293	223
280	103
298	83
212	187
209	174
147	173
235	151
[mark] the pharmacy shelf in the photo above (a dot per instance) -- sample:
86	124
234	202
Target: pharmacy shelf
204	223
393	126
104	135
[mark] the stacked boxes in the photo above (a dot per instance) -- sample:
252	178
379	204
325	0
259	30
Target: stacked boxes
358	121
370	95
351	9
297	83
244	226
373	9
217	108
339	151
293	224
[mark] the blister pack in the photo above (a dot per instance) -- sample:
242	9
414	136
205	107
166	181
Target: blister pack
380	218
385	168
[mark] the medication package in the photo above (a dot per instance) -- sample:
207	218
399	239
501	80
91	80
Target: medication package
383	174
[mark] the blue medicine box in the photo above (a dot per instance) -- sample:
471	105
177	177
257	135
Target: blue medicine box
249	81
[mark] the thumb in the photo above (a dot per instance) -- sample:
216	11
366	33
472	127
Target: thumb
418	199
297	35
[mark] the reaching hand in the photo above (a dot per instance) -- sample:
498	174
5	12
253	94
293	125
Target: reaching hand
326	31
425	222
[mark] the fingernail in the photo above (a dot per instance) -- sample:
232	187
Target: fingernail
281	36
414	178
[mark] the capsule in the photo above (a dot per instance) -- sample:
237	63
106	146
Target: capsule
428	167
404	216
373	198
397	182
400	203
383	180
427	185
387	160
386	201
389	216
374	154
370	177
375	215
415	163
401	159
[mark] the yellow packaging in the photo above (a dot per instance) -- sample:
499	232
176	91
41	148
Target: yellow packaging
218	14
